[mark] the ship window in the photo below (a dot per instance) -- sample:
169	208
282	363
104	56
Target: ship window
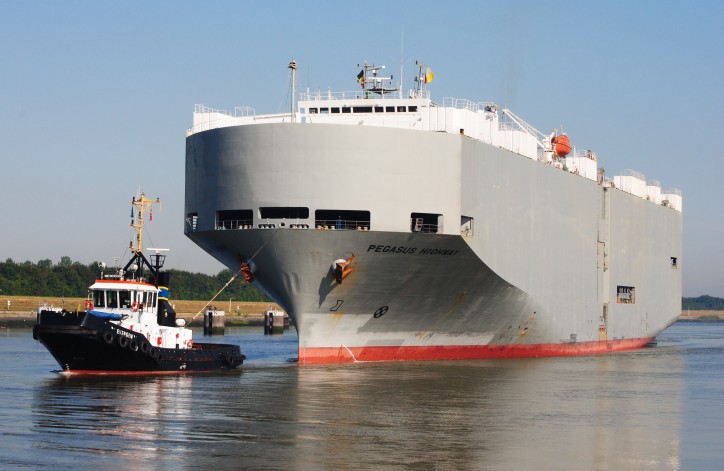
401	109
412	108
99	298
362	109
324	110
312	110
112	298
346	109
379	109
335	109
425	222
342	219
626	295
234	219
284	213
125	298
390	109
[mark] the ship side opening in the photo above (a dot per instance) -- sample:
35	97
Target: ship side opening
426	222
234	219
342	219
272	216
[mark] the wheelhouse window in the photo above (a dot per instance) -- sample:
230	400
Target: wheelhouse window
124	297
99	298
426	222
112	299
342	219
234	219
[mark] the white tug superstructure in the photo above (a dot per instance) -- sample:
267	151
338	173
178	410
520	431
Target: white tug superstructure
393	227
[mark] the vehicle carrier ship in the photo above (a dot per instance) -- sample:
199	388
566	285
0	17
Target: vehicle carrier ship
393	227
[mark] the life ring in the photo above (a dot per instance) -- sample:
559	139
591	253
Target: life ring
122	341
134	306
88	305
190	344
108	337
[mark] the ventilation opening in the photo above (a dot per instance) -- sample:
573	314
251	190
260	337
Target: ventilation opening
344	219
426	222
234	219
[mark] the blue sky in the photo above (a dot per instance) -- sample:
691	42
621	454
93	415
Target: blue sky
96	97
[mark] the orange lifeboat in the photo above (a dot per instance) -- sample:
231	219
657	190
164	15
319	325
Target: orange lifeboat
562	145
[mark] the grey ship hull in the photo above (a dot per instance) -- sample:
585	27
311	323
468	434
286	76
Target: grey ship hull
538	273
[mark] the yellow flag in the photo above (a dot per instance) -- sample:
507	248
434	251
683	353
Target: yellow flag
429	76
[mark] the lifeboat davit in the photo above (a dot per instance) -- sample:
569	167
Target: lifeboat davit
562	145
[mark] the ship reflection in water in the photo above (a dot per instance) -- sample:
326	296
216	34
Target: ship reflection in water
619	411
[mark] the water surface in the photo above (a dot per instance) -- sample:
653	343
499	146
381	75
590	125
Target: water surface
657	408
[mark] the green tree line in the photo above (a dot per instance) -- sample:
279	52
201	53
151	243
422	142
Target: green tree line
72	279
703	303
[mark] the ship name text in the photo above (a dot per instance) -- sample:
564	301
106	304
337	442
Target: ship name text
410	250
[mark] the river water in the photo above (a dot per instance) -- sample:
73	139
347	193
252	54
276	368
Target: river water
658	408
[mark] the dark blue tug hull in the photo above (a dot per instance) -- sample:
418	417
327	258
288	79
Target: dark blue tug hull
83	343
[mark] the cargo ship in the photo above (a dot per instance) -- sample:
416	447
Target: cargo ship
129	327
390	226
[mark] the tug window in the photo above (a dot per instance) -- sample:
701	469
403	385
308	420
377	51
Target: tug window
99	298
112	298
125	299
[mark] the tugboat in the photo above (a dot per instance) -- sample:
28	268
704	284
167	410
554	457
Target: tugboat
129	326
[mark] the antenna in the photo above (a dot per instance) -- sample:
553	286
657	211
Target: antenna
293	65
402	56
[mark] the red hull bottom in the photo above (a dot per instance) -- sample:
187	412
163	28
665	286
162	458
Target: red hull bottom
330	355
